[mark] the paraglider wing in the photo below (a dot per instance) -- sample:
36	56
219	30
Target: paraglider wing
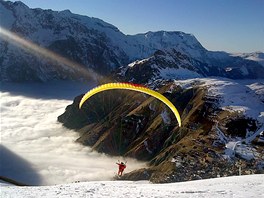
133	87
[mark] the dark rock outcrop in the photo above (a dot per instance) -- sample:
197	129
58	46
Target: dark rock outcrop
141	127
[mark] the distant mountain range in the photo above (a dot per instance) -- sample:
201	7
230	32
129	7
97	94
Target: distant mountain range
172	64
95	44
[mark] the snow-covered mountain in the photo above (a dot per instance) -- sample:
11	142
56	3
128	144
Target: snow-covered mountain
81	39
172	64
168	65
143	45
92	43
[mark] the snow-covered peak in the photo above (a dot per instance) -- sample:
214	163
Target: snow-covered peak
163	65
65	12
151	41
20	5
36	21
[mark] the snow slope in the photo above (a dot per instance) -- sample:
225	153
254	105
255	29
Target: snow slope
237	186
244	97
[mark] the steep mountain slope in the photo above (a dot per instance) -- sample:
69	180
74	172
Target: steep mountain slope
222	121
169	64
172	64
81	39
93	43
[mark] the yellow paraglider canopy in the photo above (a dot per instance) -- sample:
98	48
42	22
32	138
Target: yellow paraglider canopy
133	87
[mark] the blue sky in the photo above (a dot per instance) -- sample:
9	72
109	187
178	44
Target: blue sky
220	25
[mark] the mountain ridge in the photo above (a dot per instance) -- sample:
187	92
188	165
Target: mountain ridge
92	43
173	65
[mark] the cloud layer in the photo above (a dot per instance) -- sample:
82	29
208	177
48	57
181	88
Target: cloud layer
29	129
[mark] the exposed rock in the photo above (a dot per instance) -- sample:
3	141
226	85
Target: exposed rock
134	127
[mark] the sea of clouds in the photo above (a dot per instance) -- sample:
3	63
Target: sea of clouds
36	149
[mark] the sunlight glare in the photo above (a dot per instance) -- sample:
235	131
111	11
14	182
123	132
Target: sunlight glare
37	50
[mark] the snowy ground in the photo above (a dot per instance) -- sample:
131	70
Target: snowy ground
243	96
233	187
35	149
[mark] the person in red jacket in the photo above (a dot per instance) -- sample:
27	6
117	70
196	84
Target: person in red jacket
121	168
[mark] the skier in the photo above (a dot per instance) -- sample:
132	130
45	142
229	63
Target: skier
121	168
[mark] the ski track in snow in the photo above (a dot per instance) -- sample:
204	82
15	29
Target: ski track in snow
236	186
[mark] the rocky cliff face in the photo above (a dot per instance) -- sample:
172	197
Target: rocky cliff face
95	44
141	127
